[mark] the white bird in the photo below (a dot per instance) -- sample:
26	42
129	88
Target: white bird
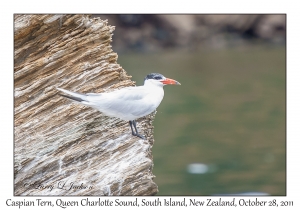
128	103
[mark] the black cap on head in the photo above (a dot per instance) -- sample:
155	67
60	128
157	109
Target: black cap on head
155	76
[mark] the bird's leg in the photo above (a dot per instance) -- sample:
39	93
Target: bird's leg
130	123
137	133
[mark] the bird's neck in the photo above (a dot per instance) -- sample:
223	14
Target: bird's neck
157	91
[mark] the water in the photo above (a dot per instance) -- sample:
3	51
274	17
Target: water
228	116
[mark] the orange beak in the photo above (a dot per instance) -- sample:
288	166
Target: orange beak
168	81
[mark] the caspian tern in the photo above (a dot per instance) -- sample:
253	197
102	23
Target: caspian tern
129	103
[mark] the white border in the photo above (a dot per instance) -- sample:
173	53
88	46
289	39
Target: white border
155	6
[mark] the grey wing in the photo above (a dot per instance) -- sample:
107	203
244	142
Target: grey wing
129	93
129	100
135	108
93	94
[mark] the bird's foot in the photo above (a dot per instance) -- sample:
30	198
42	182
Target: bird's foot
139	135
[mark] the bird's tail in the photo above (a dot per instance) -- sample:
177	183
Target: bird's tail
74	96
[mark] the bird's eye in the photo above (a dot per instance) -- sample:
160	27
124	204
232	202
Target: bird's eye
157	77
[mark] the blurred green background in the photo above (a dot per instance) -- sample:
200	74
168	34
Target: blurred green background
223	131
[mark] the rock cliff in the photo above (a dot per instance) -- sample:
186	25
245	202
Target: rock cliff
60	147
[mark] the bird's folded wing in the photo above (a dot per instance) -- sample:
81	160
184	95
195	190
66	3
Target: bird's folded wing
128	101
125	94
93	94
74	94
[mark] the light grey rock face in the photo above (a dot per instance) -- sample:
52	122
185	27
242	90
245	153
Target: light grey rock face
60	144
